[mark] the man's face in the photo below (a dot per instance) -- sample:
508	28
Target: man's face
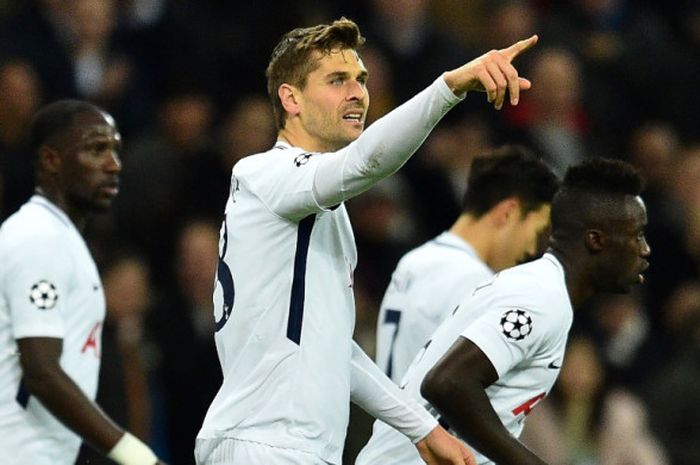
334	102
627	251
523	240
90	162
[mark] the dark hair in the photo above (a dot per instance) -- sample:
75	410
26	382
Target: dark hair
591	195
291	59
509	171
56	118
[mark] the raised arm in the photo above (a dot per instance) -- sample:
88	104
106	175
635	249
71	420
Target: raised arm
390	141
45	379
455	387
493	73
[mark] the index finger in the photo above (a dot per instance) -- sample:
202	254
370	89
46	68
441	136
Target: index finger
517	48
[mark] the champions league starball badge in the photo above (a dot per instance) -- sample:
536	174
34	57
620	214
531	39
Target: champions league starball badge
516	324
43	295
302	159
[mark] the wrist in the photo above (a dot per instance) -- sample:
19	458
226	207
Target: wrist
129	450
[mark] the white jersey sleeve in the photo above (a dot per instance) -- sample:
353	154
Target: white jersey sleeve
378	396
507	335
301	183
382	150
37	281
514	327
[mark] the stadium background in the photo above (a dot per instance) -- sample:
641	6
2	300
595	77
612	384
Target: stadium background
185	82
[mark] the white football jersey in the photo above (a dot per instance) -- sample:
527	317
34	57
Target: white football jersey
520	320
284	384
49	287
283	302
429	282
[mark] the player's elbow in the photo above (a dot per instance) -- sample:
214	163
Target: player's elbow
40	377
436	386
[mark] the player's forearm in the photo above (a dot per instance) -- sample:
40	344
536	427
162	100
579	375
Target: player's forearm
64	399
465	407
381	398
384	147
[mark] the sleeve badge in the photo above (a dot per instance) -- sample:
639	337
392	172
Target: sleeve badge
43	295
516	324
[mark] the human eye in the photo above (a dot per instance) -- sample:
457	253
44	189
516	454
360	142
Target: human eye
641	236
99	147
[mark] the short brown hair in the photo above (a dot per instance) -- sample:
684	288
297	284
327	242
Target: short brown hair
291	60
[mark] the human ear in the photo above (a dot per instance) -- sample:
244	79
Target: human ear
49	159
595	240
289	99
507	210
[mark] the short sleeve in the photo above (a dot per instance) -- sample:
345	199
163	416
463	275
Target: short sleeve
507	335
37	281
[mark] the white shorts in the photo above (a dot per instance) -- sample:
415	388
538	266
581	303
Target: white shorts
227	451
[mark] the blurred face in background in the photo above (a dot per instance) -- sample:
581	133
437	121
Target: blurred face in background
126	289
249	128
186	118
19	92
581	373
198	255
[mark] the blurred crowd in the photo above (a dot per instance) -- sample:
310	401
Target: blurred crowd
185	82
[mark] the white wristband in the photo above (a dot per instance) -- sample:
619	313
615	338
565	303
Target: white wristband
129	450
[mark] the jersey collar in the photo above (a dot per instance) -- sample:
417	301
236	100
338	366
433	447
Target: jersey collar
281	144
449	239
42	201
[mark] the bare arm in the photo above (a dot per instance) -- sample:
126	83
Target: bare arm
45	379
455	386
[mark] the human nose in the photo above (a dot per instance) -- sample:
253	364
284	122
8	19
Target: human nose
113	163
646	249
357	90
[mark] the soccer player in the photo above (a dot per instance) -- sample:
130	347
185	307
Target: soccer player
488	365
505	214
51	300
283	302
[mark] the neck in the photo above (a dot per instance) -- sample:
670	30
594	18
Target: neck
305	141
77	216
578	284
477	233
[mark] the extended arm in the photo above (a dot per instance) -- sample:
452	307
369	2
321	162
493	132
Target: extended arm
45	379
379	396
386	145
455	386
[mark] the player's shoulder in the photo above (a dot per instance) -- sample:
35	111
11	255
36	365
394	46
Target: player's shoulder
279	156
443	250
33	221
546	271
539	284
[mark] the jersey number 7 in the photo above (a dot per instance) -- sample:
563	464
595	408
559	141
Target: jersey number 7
392	317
